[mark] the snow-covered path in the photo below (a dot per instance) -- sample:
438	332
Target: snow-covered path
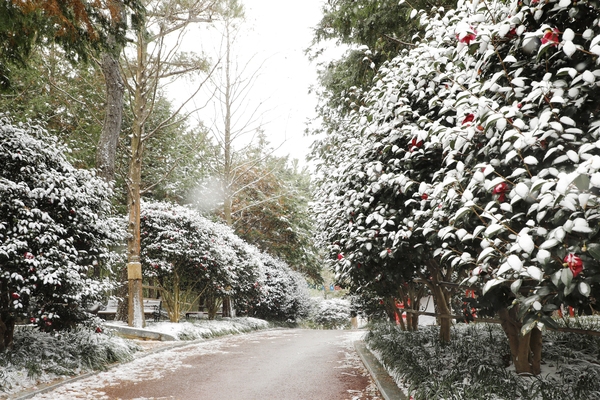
276	364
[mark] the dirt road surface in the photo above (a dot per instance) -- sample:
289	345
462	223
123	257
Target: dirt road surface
292	364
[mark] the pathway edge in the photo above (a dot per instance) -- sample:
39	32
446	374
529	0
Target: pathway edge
387	386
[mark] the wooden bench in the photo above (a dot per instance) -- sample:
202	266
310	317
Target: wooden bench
152	307
109	309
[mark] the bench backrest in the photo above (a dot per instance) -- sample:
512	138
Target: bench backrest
151	304
112	305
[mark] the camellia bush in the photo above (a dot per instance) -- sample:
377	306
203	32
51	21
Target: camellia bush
190	256
475	159
283	293
331	313
54	230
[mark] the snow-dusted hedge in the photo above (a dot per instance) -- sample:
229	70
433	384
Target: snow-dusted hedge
54	229
39	358
177	240
192	255
283	293
331	313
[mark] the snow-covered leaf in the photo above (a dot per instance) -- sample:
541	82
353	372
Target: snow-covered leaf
491	283
584	289
526	243
535	273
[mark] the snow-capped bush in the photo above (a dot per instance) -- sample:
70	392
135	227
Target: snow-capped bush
54	229
191	256
475	159
331	313
283	293
482	145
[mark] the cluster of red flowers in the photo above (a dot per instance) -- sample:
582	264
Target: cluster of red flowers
468	38
415	144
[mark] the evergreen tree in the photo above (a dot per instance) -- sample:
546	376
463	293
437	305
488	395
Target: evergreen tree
54	230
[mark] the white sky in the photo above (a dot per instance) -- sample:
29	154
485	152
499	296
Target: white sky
282	30
277	32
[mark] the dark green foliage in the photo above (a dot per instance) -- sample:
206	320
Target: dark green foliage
79	27
69	353
383	26
67	99
475	364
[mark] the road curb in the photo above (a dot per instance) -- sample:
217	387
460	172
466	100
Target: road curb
387	386
129	332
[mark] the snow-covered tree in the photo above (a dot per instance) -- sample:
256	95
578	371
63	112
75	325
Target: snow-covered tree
487	134
283	293
191	257
54	229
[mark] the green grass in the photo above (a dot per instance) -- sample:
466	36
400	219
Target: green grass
475	364
61	354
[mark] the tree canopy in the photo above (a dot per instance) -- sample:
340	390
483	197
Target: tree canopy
474	161
78	27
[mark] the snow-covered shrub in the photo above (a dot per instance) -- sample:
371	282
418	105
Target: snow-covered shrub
474	366
54	229
476	156
46	356
283	293
331	313
191	256
205	328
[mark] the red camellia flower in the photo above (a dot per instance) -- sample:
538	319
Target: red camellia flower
98	330
501	190
424	196
551	36
574	263
340	256
467	39
415	143
468	118
15	296
28	255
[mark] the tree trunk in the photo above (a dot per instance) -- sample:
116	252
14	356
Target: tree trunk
212	305
134	267
7	321
525	350
7	330
109	138
227	306
443	308
134	183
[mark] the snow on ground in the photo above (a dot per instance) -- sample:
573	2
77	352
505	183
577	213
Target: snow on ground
152	365
148	367
184	331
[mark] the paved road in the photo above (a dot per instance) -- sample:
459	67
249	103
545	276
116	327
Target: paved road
281	364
